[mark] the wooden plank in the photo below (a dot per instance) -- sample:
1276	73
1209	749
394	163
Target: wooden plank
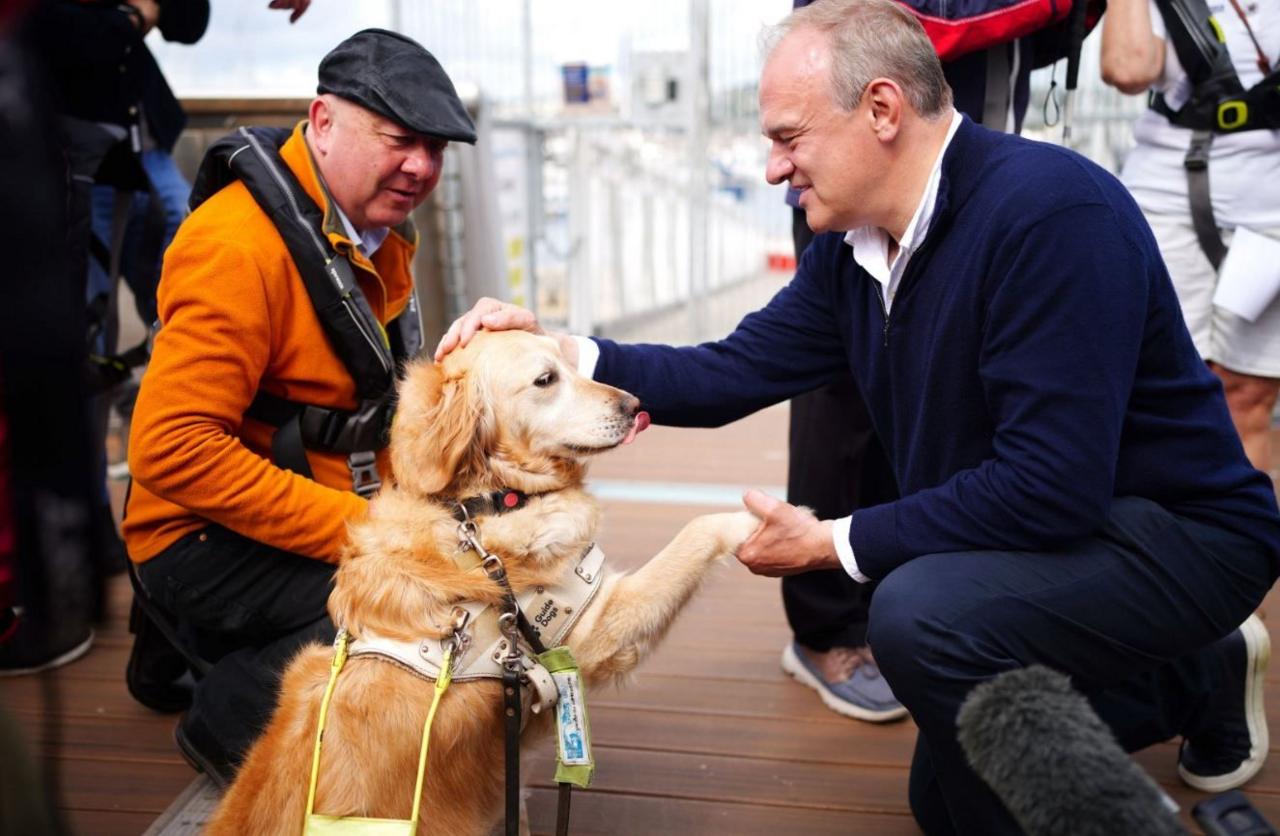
615	814
137	786
103	737
713	778
108	822
774	739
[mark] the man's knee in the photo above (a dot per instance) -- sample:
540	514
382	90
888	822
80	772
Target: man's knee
902	630
930	626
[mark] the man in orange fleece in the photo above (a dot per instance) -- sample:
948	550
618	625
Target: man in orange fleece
237	549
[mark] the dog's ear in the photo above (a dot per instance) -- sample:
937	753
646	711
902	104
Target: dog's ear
439	429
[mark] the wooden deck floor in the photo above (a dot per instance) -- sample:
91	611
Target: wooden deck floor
711	738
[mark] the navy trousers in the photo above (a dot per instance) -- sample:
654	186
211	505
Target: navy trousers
1129	614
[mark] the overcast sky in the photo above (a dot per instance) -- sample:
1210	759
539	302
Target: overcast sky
252	50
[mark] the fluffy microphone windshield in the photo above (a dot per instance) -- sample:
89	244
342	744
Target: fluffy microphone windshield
1055	765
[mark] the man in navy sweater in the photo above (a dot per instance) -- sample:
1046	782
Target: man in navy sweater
1073	493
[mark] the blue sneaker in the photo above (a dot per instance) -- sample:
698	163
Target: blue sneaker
1232	747
865	695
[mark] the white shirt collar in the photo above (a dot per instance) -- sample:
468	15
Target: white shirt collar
368	241
871	243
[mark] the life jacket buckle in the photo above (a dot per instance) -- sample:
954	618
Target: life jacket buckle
364	473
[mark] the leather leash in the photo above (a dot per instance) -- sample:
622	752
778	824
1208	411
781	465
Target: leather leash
513	624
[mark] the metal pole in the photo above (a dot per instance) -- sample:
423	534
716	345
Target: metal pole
699	116
526	45
533	162
580	303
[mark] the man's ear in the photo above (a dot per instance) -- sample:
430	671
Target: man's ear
885	103
319	124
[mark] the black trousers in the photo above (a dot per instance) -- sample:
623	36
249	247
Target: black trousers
248	608
1128	614
836	465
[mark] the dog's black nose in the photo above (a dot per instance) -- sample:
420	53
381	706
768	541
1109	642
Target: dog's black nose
629	405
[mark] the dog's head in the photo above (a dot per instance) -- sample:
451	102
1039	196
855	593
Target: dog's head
506	411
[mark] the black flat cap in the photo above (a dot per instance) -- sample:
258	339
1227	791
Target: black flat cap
395	77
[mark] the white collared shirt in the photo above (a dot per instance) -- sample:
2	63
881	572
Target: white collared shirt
368	242
871	252
871	243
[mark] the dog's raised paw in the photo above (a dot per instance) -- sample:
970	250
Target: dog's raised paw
736	527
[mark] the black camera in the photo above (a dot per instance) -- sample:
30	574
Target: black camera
1231	814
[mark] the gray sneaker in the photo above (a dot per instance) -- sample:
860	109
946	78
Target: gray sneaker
865	695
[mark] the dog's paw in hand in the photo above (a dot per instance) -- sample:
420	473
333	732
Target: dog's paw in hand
735	528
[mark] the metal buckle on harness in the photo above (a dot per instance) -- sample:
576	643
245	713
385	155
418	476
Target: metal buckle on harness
364	473
1197	158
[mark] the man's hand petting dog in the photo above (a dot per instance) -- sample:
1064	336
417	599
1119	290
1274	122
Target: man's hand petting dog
790	540
492	315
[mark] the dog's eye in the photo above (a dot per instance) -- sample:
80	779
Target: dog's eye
546	379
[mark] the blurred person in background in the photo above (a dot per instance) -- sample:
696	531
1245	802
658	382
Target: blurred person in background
1206	172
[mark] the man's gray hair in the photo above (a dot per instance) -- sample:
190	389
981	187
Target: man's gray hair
872	39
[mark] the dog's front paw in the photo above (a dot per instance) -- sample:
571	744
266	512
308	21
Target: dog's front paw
734	528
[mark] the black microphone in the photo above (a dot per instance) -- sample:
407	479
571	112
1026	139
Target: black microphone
1056	766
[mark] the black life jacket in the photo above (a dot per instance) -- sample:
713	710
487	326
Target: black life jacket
1219	103
371	354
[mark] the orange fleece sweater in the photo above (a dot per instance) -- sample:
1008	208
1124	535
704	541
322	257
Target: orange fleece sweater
236	319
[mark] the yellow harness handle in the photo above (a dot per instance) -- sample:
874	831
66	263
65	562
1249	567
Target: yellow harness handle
339	660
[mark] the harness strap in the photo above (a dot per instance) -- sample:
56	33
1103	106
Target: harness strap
1196	164
288	449
552	612
335	667
301	427
441	684
339	661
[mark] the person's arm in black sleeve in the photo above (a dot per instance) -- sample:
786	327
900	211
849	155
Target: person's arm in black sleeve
183	21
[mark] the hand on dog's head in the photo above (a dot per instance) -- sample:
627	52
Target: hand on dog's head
505	412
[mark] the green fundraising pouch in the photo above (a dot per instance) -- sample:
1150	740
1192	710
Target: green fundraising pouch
574	764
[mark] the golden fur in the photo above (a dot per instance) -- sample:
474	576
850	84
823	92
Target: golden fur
505	412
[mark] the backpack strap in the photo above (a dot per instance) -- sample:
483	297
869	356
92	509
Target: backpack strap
1196	164
1219	102
301	427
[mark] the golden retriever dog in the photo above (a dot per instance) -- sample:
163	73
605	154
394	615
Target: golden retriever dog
504	413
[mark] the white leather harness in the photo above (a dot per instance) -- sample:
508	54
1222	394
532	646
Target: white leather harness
480	646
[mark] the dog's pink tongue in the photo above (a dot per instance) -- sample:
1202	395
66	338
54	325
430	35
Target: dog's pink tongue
642	422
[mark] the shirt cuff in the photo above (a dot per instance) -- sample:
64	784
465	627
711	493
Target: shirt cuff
588	356
844	551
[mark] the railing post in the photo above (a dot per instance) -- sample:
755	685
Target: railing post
699	115
580	314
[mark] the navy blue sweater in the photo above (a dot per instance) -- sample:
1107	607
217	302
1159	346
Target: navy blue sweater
1034	365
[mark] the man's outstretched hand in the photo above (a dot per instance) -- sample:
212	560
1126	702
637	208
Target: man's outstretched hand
491	315
790	540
